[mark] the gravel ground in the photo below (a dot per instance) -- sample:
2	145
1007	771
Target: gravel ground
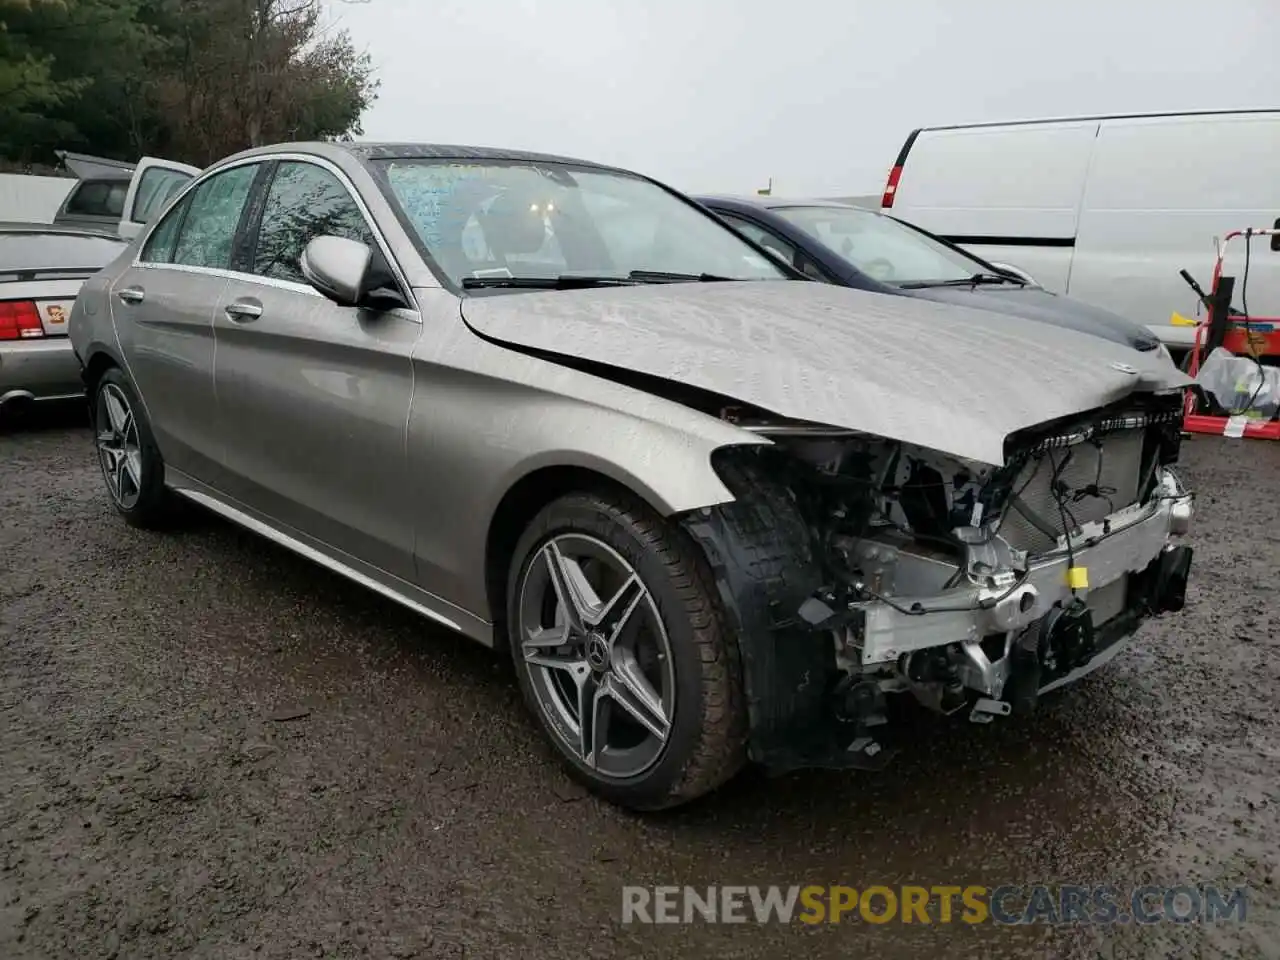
211	748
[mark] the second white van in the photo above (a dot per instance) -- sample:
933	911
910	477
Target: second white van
1106	209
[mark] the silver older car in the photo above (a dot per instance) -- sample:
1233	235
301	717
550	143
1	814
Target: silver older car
42	266
715	513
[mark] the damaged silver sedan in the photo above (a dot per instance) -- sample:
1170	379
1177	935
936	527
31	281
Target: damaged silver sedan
715	513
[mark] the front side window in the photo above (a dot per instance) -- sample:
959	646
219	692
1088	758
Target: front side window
213	215
880	247
304	201
524	220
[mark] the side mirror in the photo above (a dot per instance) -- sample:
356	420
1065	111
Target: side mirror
338	268
1275	237
1016	272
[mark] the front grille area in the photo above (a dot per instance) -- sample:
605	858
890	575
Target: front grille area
1111	464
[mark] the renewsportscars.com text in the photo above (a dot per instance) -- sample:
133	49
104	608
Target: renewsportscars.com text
972	904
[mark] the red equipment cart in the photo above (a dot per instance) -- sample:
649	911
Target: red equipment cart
1242	335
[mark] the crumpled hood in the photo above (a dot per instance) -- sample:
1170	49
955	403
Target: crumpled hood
945	377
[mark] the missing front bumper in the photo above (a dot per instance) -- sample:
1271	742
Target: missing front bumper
820	670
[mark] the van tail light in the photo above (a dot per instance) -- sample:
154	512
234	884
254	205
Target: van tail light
891	187
19	320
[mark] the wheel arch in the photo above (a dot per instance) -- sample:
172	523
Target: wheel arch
537	486
99	361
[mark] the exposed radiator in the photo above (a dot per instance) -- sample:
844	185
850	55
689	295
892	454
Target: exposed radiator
1113	464
1108	601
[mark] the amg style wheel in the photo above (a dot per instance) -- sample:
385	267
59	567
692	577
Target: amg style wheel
622	652
127	453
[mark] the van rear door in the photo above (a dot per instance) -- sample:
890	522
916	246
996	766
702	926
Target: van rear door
1160	190
1008	193
155	182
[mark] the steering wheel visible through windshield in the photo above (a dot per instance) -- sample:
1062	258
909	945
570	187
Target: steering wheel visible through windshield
881	247
496	221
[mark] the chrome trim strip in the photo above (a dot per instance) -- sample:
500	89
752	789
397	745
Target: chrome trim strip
221	274
302	549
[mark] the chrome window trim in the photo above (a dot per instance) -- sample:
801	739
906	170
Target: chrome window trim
407	313
322	163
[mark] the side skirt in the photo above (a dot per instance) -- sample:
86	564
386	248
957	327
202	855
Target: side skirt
418	600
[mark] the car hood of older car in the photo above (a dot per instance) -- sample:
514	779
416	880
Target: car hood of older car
944	377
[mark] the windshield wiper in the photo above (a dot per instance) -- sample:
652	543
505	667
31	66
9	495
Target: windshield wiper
571	281
978	279
664	276
566	281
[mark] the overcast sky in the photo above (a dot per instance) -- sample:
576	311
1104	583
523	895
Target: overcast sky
721	95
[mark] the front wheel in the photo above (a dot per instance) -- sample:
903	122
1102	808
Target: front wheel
623	653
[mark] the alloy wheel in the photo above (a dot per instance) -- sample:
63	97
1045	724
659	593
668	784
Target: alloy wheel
119	450
598	655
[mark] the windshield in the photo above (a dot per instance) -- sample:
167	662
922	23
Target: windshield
482	220
881	247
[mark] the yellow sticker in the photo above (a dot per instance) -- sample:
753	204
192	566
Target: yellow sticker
1178	320
1078	578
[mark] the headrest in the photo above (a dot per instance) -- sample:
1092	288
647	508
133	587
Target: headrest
513	224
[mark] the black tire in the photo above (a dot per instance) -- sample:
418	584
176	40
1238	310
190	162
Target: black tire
706	743
151	507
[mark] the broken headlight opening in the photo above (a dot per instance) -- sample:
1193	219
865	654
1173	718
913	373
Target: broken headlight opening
967	586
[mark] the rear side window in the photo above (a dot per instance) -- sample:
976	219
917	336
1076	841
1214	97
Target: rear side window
164	238
98	198
213	215
304	201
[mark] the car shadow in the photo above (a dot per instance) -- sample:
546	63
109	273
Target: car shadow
46	417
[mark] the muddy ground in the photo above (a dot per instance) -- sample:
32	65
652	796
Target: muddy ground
155	801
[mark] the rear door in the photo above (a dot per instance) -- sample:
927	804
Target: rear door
1008	194
313	397
153	184
163	307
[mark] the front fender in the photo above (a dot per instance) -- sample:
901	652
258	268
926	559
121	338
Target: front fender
479	436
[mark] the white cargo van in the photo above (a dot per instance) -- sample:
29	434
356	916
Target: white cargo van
1106	209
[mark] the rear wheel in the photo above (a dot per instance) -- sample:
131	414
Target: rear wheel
623	654
127	452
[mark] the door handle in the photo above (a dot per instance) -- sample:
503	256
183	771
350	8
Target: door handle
243	311
132	294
